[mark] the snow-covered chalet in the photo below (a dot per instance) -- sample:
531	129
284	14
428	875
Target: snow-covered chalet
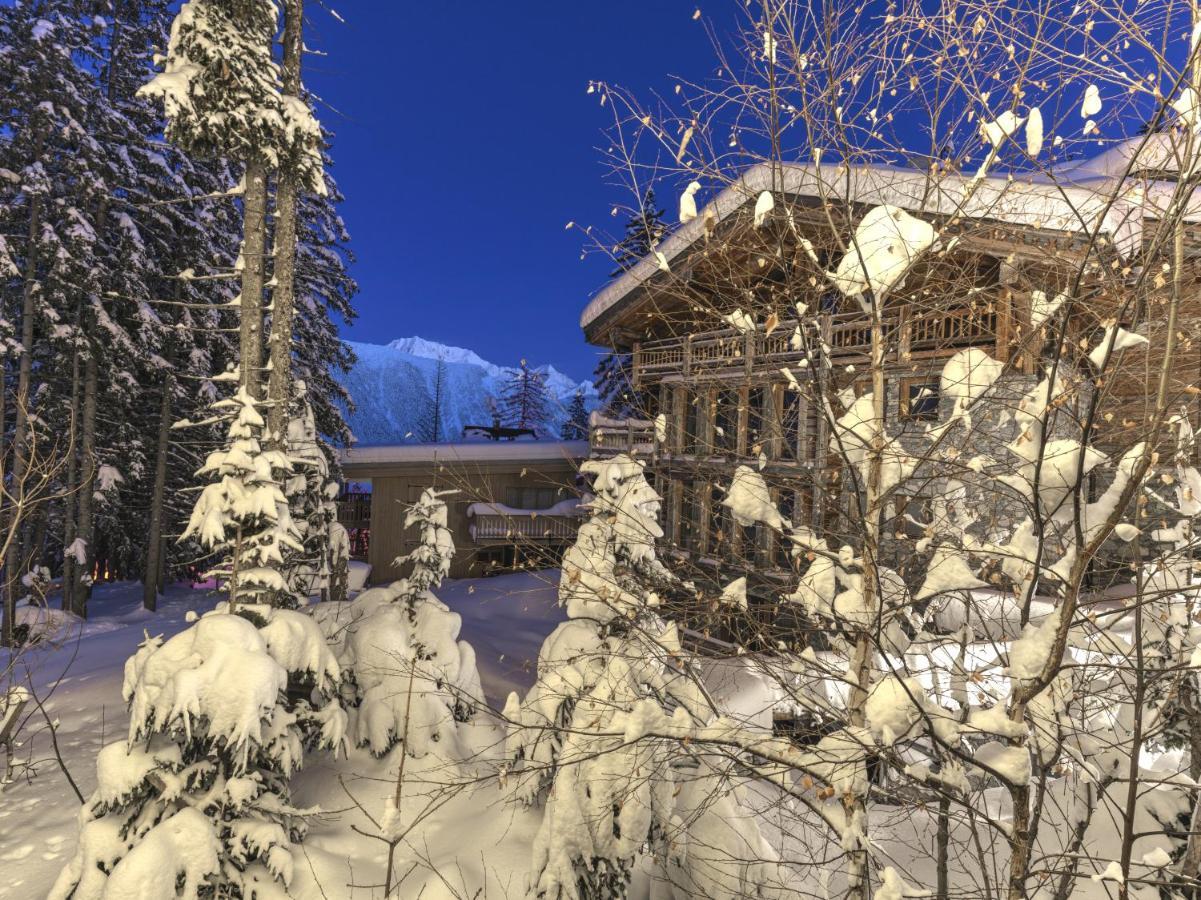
712	324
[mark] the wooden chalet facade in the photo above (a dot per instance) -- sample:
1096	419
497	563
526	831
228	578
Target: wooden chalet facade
722	388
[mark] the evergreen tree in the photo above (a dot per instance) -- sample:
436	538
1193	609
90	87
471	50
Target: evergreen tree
311	492
574	741
576	426
413	680
525	402
243	513
116	267
613	373
222	93
642	233
431	418
197	800
324	295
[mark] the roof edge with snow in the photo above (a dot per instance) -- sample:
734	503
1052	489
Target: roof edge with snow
1081	199
469	452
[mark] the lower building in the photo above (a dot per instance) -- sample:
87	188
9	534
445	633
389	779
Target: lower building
515	503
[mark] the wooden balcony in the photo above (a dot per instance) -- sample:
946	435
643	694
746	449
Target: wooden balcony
910	334
489	528
609	437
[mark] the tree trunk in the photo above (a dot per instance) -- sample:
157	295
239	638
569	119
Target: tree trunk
943	842
284	293
254	240
12	561
154	540
81	589
861	660
72	485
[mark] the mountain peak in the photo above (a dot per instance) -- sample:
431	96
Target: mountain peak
392	386
426	349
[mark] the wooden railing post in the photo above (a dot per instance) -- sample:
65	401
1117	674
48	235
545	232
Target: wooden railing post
904	334
1001	307
636	365
687	354
748	351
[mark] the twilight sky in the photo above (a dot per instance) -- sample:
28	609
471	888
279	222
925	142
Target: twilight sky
465	142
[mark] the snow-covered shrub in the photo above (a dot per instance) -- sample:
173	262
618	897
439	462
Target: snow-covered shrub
410	680
197	797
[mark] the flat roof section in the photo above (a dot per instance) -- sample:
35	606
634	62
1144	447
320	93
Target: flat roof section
468	452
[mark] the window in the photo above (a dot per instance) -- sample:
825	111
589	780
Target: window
756	432
690	518
790	428
919	400
528	497
725	423
692	419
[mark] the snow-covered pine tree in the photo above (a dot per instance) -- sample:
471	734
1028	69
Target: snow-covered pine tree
612	376
325	291
593	738
46	216
197	799
287	197
221	90
525	401
91	260
243	514
311	493
575	428
643	231
112	231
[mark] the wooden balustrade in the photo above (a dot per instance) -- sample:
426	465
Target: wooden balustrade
532	527
910	332
609	437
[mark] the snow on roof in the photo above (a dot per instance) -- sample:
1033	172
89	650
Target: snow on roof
1075	199
477	451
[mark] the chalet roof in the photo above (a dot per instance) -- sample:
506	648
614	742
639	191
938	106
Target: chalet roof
468	452
1079	197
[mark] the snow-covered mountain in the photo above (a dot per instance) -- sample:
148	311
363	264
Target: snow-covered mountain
392	386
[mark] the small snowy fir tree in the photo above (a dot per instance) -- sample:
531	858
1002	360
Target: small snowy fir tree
196	802
525	401
576	426
244	513
596	737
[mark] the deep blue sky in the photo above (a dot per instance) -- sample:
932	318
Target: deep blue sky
466	141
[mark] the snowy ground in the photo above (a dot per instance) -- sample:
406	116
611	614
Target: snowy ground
78	683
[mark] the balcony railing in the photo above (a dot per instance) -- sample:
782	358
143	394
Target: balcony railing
608	437
848	335
490	522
